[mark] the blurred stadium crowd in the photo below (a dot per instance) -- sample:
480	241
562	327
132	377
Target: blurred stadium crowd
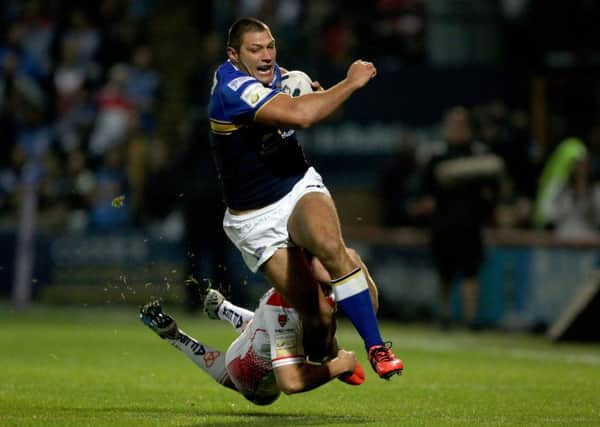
77	93
82	102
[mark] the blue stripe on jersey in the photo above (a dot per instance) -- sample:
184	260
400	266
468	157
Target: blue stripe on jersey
257	164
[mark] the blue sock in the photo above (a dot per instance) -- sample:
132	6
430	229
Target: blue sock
352	297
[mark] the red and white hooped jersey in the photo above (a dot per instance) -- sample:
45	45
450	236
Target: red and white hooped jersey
273	338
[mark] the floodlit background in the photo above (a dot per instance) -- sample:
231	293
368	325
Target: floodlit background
107	190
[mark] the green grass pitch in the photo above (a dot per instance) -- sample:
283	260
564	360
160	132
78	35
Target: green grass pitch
101	367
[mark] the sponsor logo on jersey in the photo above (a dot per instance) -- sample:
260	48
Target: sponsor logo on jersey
235	84
255	93
286	345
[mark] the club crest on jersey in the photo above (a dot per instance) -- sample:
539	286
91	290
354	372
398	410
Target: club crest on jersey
282	319
254	93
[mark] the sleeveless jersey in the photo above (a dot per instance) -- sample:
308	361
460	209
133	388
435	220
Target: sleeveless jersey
257	164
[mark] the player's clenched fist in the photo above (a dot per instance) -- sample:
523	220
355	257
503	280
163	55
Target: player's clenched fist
347	359
360	72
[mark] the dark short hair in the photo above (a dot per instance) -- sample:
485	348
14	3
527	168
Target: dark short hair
242	26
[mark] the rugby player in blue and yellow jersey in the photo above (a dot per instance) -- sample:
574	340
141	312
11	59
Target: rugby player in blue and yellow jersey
279	213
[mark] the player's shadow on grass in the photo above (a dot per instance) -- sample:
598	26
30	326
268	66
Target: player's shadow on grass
253	419
228	419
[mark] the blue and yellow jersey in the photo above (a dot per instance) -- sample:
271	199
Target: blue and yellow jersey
257	164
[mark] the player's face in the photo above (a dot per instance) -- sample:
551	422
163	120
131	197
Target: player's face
257	55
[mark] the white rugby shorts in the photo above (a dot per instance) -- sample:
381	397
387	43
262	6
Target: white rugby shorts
258	234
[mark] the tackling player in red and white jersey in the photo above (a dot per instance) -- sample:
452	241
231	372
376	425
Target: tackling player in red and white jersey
268	356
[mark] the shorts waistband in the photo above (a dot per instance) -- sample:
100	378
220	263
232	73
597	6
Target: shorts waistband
260	211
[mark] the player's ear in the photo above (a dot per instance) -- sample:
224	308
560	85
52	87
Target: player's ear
232	54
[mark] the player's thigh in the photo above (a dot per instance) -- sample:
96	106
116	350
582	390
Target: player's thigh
290	273
314	223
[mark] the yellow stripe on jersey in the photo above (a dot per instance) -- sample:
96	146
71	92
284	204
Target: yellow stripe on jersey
223	128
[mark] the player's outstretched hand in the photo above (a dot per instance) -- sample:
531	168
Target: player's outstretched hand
360	72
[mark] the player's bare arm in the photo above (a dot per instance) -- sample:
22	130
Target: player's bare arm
303	377
304	111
